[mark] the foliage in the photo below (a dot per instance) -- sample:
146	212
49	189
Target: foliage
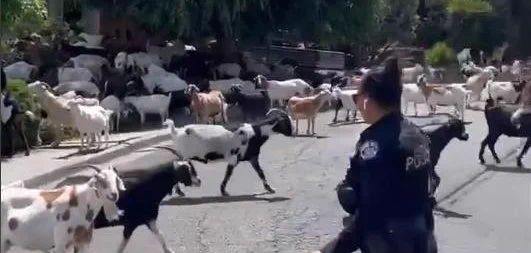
20	92
469	6
440	54
23	16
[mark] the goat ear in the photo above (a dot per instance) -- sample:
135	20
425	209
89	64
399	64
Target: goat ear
120	184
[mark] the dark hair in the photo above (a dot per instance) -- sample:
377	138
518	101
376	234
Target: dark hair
383	84
3	79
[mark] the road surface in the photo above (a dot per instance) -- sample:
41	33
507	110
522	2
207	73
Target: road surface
482	209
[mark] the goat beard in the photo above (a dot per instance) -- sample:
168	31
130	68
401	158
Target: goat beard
111	210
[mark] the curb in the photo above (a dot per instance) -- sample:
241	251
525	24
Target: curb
70	169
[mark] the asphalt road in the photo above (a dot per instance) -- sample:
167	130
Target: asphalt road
482	209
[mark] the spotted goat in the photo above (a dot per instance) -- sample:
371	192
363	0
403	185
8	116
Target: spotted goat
58	219
213	142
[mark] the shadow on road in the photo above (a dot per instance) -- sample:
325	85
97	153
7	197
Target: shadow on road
311	136
179	201
507	169
445	213
345	123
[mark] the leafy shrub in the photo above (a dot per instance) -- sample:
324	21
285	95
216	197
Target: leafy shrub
440	54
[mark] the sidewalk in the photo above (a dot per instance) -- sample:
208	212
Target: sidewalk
49	164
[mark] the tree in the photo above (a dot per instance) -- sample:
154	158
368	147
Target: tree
22	16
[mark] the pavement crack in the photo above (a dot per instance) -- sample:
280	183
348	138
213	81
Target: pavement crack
201	232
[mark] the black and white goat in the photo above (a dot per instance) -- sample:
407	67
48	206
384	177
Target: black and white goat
148	180
212	142
499	122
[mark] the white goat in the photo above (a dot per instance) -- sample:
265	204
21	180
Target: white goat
141	59
347	100
283	90
112	103
227	69
449	95
307	108
156	104
477	82
224	85
413	93
165	81
65	74
58	111
20	70
504	91
88	88
409	75
58	219
90	120
93	63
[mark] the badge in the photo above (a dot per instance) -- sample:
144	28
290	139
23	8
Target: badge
369	150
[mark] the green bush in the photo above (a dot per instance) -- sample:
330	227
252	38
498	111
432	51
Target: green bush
440	54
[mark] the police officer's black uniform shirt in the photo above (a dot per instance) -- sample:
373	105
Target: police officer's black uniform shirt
390	171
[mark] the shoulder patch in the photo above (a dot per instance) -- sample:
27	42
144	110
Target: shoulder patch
369	149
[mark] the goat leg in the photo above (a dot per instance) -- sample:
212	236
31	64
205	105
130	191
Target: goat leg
491	145
152	225
482	150
309	120
348	116
228	174
20	127
179	191
313	126
128	231
256	166
523	152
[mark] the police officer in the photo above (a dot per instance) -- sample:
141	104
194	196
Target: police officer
387	185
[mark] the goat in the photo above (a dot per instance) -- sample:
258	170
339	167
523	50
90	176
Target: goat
415	93
230	70
58	112
450	95
86	88
307	108
166	53
282	90
506	91
525	104
112	103
345	99
165	81
477	83
409	75
206	105
21	70
499	123
58	219
147	180
90	120
13	119
212	142
67	74
253	104
156	103
94	63
74	51
225	85
141	59
440	135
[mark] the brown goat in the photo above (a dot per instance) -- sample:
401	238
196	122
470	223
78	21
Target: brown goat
205	105
307	108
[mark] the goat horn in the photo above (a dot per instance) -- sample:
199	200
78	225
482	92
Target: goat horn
171	150
96	168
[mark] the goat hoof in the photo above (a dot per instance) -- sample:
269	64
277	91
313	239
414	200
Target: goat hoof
519	163
481	161
497	160
169	251
27	154
224	193
269	189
